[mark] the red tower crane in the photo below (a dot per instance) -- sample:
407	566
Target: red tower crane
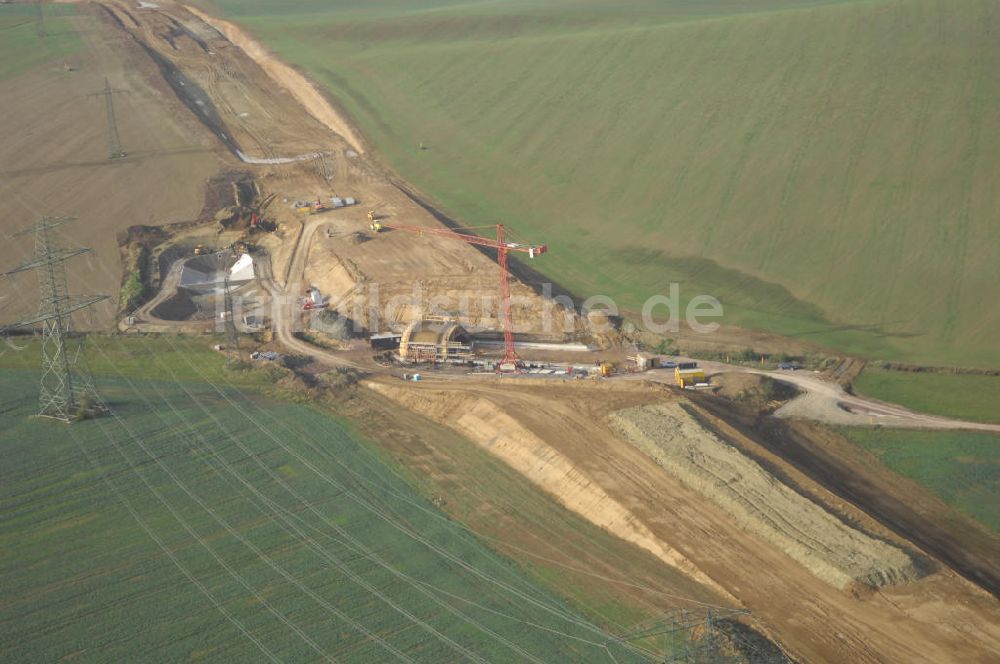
503	246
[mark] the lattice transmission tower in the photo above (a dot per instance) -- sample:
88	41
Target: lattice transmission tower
114	140
229	320
710	637
66	389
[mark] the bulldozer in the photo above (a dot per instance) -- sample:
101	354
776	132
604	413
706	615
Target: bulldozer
242	247
375	226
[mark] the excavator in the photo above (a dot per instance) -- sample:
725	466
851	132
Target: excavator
257	221
374	216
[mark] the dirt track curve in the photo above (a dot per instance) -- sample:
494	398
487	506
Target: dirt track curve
827	402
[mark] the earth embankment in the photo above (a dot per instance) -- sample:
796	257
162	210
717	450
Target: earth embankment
760	503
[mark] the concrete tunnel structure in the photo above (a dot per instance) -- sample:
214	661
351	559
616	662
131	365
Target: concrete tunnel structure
435	340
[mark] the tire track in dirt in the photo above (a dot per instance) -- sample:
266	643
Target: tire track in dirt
770	118
760	503
706	127
970	159
288	78
823	106
960	545
835	239
496	431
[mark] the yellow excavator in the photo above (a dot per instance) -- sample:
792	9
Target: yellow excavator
373	214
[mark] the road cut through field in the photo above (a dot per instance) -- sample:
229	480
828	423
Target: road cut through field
759	502
492	428
558	435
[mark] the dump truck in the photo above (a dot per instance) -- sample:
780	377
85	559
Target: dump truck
688	374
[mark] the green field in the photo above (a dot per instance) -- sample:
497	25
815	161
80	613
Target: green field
964	396
222	525
826	169
962	468
22	46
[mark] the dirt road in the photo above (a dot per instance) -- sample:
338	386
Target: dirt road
821	400
558	433
168	288
304	92
54	157
827	402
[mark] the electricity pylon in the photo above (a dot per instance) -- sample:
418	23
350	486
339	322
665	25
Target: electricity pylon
324	166
714	637
114	141
66	389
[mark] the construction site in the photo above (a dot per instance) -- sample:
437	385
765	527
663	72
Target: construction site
276	233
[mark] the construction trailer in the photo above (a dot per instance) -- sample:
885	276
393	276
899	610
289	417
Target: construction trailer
644	361
435	340
338	202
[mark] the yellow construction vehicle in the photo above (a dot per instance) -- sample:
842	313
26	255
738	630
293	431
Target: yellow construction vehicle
241	247
310	207
375	227
199	250
371	215
688	374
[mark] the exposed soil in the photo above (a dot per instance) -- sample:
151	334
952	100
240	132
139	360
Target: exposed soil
900	504
824	400
763	505
224	89
939	617
762	393
499	504
302	90
181	306
544	435
505	437
54	158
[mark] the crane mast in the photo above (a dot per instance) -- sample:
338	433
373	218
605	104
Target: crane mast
503	245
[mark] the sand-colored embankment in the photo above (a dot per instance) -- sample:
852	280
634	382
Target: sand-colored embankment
288	78
760	503
406	279
487	425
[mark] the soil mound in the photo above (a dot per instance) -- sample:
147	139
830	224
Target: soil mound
830	549
489	426
761	393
